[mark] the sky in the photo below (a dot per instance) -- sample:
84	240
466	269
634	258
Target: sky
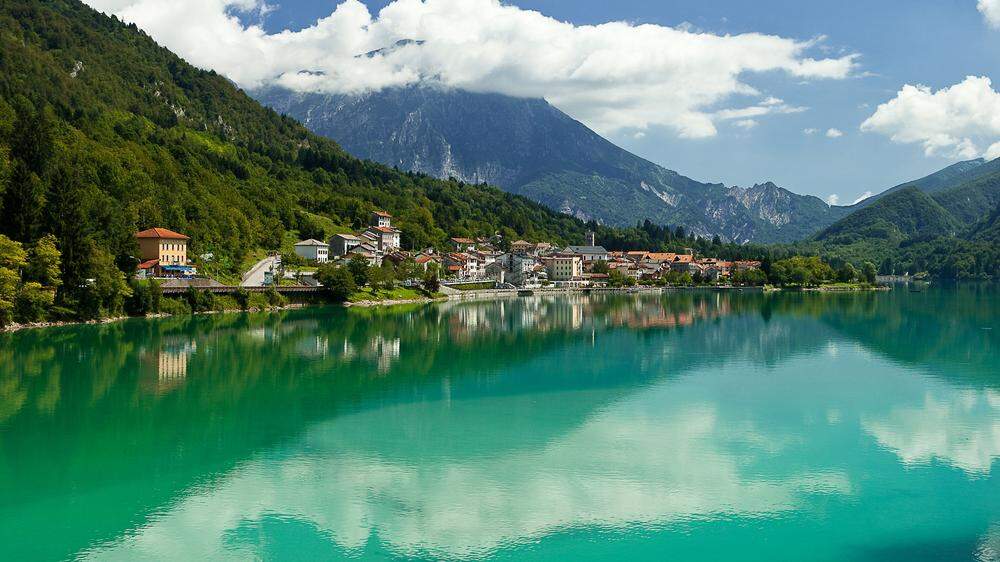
833	99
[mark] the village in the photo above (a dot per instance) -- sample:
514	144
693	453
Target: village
484	262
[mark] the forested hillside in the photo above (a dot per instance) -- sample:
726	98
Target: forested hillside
898	216
103	133
951	233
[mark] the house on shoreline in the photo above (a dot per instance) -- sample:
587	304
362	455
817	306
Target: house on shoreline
163	253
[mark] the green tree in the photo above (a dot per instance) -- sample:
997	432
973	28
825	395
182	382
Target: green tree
12	255
44	260
9	281
869	272
387	278
104	293
801	271
338	280
358	266
847	273
601	266
431	279
33	302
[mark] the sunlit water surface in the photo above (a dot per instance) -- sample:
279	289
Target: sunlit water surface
711	426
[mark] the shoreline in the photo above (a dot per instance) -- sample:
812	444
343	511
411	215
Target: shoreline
486	294
13	328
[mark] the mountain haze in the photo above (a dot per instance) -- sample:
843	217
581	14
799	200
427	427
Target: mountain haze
529	147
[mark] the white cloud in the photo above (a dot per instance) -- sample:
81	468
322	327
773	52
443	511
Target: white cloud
746	124
810	131
949	122
993	151
991	11
834	133
863	196
612	76
832	199
961	428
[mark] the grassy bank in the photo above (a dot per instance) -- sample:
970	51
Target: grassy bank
370	295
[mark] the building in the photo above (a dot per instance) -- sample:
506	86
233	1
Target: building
381	218
313	250
521	247
342	244
464	266
386	237
565	267
589	253
163	253
380	230
746	265
463	244
425	261
368	252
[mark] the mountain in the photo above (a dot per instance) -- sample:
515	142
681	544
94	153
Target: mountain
529	147
896	217
103	133
950	231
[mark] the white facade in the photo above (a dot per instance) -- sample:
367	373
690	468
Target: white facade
313	250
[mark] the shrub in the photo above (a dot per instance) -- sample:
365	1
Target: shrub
33	302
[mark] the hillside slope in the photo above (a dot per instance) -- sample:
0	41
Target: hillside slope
529	147
103	132
906	213
951	234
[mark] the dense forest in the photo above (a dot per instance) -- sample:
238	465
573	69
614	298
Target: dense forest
950	233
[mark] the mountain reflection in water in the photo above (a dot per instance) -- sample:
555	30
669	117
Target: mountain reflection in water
735	425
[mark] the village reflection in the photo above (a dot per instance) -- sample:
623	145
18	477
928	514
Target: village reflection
191	399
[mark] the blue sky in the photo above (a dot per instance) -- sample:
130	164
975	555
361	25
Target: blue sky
936	44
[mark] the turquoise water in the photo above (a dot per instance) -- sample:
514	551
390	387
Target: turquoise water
686	426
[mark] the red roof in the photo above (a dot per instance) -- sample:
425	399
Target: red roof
385	229
383	214
463	240
148	264
161	233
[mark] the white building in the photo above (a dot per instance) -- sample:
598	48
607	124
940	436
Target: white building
386	237
313	250
589	253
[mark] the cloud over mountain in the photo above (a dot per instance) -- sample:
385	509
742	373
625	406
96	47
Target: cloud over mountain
956	121
612	76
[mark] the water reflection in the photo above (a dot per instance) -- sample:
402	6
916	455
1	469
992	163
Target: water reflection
468	429
959	427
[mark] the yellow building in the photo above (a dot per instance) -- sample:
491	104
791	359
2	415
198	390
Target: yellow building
163	252
565	267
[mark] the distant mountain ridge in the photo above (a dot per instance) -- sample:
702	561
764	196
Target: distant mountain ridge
947	224
942	180
529	147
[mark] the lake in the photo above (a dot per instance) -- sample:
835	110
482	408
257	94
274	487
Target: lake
687	425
